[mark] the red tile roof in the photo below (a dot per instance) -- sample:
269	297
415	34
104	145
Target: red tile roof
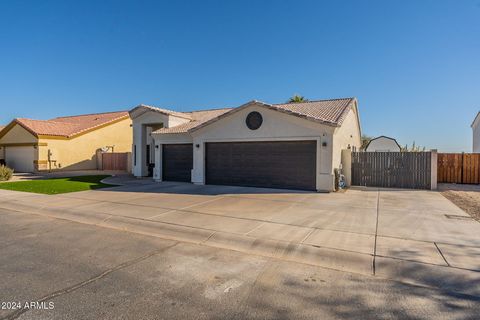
330	112
69	126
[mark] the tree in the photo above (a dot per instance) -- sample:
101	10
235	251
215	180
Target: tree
365	140
296	99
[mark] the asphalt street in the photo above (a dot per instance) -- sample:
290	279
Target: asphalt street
69	270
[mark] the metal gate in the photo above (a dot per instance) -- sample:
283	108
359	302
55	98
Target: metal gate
410	170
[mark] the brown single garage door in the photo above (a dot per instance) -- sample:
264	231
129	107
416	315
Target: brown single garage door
271	164
177	162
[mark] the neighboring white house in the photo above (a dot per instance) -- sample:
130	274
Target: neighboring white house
476	133
383	144
293	146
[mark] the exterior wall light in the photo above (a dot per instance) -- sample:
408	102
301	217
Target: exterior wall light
157	146
197	146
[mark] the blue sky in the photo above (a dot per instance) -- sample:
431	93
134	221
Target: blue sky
413	65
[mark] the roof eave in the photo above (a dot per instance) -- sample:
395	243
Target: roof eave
223	115
24	126
84	131
477	117
302	116
145	108
162	133
97	127
266	105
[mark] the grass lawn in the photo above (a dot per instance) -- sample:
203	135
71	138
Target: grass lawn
57	185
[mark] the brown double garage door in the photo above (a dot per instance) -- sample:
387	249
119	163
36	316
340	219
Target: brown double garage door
270	164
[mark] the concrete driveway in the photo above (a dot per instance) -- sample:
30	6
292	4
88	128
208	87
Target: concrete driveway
400	234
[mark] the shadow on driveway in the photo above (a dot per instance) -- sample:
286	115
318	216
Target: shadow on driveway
192	189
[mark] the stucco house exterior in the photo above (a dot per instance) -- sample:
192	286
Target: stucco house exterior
293	146
476	133
383	144
64	143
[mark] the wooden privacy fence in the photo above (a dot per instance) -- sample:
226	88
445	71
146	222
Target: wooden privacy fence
392	169
115	161
459	168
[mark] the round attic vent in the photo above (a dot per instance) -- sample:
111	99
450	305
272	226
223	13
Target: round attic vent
254	120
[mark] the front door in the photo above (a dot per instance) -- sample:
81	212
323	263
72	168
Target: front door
148	160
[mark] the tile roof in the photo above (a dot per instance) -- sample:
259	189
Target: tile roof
141	109
330	112
198	118
69	126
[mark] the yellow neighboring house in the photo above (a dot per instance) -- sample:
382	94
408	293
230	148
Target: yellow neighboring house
64	143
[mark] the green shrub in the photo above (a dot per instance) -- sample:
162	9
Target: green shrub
5	173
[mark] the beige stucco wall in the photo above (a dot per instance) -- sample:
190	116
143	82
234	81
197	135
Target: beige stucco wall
276	126
18	134
348	134
79	153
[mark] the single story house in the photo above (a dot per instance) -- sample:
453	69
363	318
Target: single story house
383	144
476	133
64	143
292	145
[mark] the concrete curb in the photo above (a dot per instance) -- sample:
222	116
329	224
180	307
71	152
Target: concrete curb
420	274
323	257
104	181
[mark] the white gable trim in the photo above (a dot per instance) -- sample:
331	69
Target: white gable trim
476	120
268	106
142	109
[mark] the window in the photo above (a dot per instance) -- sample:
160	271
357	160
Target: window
254	120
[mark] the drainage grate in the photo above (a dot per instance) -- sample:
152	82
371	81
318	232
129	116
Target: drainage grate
454	216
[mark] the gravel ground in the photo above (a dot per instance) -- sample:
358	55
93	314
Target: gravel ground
465	196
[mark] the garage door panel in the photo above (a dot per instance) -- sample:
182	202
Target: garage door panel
177	162
20	159
282	164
